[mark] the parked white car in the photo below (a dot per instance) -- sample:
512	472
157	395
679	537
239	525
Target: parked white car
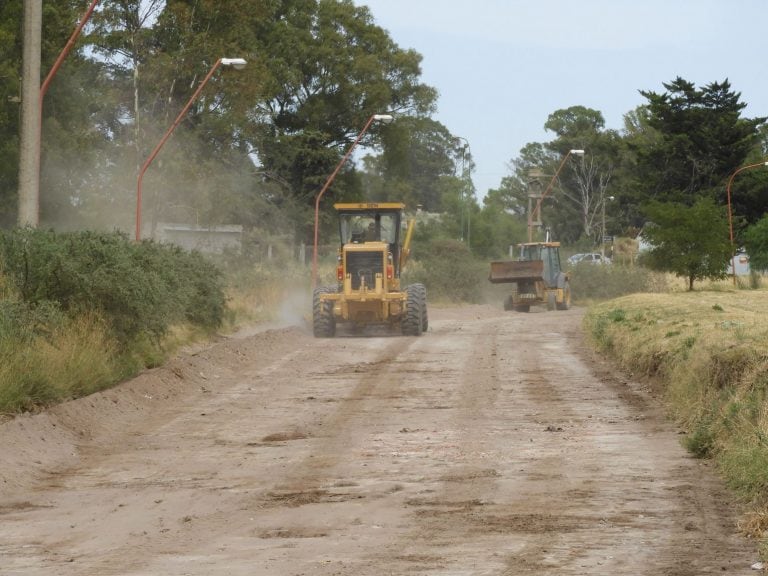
741	260
590	257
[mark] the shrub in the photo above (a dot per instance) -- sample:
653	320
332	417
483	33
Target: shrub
701	440
449	271
139	289
270	290
599	282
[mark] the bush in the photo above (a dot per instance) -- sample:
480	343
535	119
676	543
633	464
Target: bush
276	289
139	289
602	282
449	271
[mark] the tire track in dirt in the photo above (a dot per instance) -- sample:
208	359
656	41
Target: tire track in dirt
493	444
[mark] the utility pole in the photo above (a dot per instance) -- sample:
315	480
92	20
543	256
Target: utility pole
29	152
602	231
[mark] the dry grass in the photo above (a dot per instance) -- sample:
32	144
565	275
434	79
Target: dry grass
271	293
76	359
708	351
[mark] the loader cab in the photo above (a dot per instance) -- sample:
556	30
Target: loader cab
361	224
547	252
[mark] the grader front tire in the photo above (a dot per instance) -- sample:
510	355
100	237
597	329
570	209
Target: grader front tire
422	292
323	322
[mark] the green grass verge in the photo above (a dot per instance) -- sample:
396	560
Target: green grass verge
707	352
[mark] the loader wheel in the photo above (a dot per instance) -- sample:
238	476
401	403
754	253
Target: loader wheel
566	303
551	301
411	322
422	291
323	322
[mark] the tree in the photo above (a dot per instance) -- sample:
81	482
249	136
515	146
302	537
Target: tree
629	190
583	185
749	194
318	69
10	100
571	205
756	244
512	194
702	139
572	125
495	229
419	163
592	177
327	68
689	241
70	127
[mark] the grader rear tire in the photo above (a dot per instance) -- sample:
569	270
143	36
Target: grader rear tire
411	325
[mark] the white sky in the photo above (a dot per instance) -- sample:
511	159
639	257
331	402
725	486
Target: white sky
502	66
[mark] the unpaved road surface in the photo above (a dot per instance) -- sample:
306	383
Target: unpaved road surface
492	445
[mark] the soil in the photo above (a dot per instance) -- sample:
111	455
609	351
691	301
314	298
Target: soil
496	443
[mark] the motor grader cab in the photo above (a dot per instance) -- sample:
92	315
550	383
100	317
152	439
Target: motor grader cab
373	250
537	276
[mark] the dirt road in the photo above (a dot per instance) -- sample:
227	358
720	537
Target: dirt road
492	445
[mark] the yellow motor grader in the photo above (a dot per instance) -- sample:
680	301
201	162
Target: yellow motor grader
373	251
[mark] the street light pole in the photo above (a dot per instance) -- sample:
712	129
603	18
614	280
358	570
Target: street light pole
66	51
375	117
237	63
730	213
537	210
602	239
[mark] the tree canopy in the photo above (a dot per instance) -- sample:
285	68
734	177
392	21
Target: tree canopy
689	241
678	148
257	144
702	139
317	70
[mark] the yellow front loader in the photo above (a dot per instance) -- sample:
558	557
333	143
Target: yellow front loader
537	277
374	248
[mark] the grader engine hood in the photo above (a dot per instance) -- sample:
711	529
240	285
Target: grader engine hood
366	267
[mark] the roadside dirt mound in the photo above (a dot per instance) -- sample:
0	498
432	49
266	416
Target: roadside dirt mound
34	446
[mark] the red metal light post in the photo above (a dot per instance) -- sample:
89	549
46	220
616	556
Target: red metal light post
29	209
730	213
236	63
537	209
376	117
65	52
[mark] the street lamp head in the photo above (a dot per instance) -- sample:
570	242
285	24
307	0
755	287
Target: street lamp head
385	118
236	63
577	152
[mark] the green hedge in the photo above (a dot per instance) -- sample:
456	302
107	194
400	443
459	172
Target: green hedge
449	271
140	289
